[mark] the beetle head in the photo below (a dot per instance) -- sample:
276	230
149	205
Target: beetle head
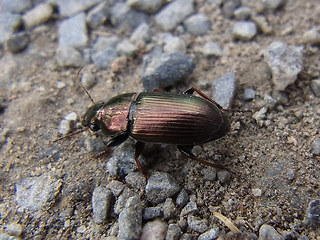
89	118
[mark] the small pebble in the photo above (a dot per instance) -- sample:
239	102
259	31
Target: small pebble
197	224
166	70
211	234
311	36
17	42
148	6
244	30
150	213
88	80
9	23
174	45
69	57
126	48
13	229
173	232
71	7
197	24
122	199
242	13
262	23
169	209
249	94
38	15
98	15
182	198
104	51
141	33
101	201
267	232
161	186
256	192
130	219
285	63
155	230
315	86
273	4
73	32
67	123
212	49
81	229
224	89
190	208
224	176
116	187
229	7
136	180
209	174
174	13
312	216
315	146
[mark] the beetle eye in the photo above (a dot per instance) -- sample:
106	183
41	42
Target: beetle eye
94	126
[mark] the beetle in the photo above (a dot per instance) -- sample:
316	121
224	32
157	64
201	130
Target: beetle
180	119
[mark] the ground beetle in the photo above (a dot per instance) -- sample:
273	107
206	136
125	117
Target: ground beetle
181	119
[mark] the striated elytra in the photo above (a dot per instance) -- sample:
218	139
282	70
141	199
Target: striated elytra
180	119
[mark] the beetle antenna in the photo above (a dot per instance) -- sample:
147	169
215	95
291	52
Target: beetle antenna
84	89
72	134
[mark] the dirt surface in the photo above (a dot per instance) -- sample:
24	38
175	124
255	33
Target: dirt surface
275	157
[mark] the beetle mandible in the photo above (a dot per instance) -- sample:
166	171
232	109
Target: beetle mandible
180	119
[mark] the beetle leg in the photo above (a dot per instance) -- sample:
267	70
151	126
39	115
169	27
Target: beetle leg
117	140
138	152
203	95
186	150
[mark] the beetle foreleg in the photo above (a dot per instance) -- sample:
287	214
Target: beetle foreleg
139	150
203	95
117	140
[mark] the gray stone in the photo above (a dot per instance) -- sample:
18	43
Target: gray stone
190	208
141	33
37	15
69	57
15	6
155	230
148	6
101	198
104	51
211	234
73	32
212	49
161	186
150	213
174	45
169	209
122	161
174	13
267	232
126	48
122	16
36	193
173	232
312	36
182	198
136	180
315	86
249	94
9	23
244	30
285	63
130	219
273	4
315	146
224	176
229	7
88	80
98	15
242	13
17	42
224	89
165	70
122	200
116	187
312	217
197	224
13	229
209	174
197	24
71	7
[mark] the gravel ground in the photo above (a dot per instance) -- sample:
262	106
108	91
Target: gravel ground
258	55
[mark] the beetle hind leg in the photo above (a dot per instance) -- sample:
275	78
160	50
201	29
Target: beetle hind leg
138	152
117	140
187	150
